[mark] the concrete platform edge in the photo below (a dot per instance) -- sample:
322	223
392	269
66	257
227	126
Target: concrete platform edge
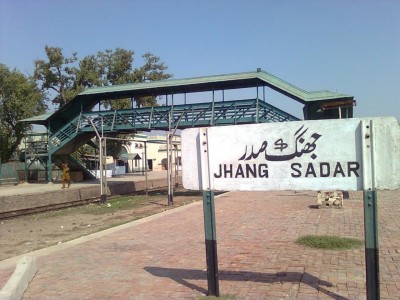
11	262
19	281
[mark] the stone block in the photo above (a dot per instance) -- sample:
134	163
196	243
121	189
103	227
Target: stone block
330	199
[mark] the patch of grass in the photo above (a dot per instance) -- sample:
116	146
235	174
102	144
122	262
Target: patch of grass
117	203
329	242
177	192
114	204
55	213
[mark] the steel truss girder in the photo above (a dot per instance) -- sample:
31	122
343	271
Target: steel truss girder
157	118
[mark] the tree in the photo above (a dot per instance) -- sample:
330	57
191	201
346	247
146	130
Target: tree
115	67
152	70
19	99
67	76
89	72
57	74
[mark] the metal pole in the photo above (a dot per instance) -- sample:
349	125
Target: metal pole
26	161
166	140
170	196
49	164
212	109
105	171
371	244
209	216
257	107
370	211
143	161
49	167
101	170
211	243
103	197
175	164
145	170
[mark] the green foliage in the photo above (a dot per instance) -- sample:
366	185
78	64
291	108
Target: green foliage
116	66
152	70
329	242
67	76
19	99
113	146
57	74
88	150
89	72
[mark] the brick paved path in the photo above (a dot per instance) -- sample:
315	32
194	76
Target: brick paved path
163	257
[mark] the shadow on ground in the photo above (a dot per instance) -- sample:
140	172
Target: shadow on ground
182	276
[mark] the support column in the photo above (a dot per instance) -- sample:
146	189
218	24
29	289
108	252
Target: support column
169	166
209	216
103	190
145	170
49	168
370	211
371	244
257	107
211	243
105	170
49	162
212	109
25	161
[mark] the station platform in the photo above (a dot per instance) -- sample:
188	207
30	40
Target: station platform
163	256
27	196
30	188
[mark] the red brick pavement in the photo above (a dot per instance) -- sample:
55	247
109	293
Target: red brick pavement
164	256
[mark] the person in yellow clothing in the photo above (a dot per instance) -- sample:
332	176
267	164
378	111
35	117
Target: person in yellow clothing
66	179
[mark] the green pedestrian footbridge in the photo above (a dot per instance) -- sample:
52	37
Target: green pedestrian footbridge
80	120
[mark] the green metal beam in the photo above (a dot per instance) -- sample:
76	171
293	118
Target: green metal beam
157	118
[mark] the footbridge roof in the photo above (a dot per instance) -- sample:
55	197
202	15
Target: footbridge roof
210	83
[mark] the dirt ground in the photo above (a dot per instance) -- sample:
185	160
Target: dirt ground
24	234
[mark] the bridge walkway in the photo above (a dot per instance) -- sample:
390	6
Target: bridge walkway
79	130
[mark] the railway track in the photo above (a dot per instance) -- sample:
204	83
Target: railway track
30	211
58	206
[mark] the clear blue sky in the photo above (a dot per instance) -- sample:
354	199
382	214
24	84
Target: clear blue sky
351	47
